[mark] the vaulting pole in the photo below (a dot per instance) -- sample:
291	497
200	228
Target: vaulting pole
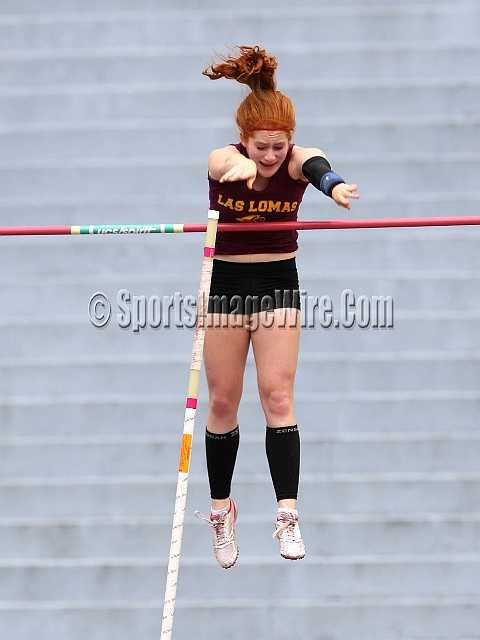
124	229
188	426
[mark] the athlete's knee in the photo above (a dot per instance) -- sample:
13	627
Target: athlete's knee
222	406
278	403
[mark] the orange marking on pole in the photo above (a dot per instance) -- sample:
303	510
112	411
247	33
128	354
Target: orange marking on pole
185	452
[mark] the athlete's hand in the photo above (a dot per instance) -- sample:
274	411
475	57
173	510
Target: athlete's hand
341	193
244	169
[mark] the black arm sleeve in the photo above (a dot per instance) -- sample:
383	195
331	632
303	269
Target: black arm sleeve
315	168
318	172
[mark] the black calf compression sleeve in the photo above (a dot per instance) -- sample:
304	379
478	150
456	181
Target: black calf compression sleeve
221	452
282	446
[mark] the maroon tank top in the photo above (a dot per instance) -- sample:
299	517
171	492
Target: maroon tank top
278	202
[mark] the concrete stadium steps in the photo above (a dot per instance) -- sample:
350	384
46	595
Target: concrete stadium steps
207	8
353	618
384	22
94	255
348	576
405	135
143	495
332	534
394	97
137	64
332	453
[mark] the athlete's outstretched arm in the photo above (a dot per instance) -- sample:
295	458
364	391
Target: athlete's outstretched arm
229	165
340	192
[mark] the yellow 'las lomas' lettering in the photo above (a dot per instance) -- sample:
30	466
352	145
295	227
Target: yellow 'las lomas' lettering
238	205
260	207
269	205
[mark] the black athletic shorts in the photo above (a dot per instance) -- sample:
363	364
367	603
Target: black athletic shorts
250	287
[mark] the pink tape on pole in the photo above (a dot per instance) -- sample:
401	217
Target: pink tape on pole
35	231
191	403
209	252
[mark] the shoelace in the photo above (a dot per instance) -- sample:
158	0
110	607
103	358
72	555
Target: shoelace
219	525
288	524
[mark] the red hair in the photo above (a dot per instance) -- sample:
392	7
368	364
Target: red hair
264	107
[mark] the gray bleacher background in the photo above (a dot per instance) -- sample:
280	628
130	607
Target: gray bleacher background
106	118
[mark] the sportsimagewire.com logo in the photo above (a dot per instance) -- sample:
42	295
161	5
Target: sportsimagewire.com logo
137	312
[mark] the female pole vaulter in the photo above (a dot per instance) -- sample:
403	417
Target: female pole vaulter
254	295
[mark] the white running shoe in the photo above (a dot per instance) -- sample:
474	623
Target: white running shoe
224	544
287	531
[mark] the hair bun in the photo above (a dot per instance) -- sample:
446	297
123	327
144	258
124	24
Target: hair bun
251	66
